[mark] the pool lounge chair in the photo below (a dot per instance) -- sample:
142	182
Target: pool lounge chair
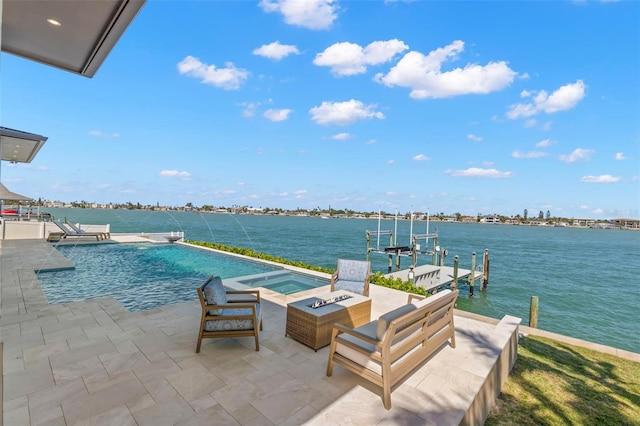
84	231
69	232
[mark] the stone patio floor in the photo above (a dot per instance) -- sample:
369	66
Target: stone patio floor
95	363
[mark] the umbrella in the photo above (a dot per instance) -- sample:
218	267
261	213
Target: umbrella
6	195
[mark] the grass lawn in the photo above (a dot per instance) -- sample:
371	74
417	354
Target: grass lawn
554	383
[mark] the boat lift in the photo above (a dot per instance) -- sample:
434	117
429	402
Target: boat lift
413	250
430	277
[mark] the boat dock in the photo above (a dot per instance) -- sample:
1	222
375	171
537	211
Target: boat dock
432	277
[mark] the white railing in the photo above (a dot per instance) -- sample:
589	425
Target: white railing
165	236
23	230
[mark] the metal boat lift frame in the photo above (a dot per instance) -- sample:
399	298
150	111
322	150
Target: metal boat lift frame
412	251
451	276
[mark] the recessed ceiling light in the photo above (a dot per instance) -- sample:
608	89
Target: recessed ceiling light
53	22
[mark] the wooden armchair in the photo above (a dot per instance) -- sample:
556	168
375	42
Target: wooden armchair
228	313
352	276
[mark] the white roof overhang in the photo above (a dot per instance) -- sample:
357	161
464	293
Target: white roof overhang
74	35
19	147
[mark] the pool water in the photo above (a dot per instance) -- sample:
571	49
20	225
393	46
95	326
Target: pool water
141	276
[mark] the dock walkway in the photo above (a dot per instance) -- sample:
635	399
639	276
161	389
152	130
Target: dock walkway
431	277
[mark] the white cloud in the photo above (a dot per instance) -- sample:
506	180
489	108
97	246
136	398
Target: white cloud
421	157
391	161
311	14
175	174
477	172
530	123
228	78
424	75
103	135
276	51
474	138
341	136
600	179
546	143
531	154
277	114
249	108
620	156
566	97
578	154
343	113
546	126
350	59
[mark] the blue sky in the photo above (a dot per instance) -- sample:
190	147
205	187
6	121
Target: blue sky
470	107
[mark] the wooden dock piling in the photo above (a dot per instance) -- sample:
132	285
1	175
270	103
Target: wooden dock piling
533	312
485	270
455	272
472	277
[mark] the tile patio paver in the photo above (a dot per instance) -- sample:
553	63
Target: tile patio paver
93	362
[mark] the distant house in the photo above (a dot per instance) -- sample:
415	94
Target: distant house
490	218
582	222
626	223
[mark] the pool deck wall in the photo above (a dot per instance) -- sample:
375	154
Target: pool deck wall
94	362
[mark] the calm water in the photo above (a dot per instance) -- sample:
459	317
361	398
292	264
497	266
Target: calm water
140	276
585	279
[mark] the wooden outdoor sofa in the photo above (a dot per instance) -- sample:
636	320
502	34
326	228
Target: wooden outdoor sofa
388	349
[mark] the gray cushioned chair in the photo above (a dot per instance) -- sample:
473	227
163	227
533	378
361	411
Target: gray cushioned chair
353	276
228	313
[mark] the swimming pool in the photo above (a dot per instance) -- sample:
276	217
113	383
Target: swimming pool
145	276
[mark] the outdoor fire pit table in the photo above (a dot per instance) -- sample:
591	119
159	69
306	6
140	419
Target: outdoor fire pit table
311	320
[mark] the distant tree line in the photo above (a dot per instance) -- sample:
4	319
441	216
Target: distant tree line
318	211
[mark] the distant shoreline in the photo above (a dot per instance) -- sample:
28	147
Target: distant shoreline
561	222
